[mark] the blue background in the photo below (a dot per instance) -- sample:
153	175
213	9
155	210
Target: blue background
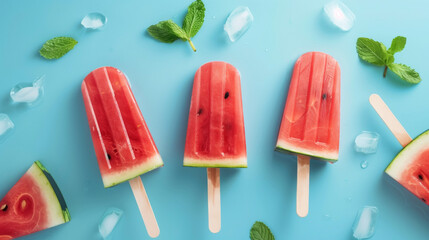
57	133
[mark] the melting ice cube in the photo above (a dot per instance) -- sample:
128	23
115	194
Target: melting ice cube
238	22
367	142
364	224
340	15
110	218
5	125
27	92
94	20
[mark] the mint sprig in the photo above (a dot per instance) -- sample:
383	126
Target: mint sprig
260	231
375	53
168	31
57	47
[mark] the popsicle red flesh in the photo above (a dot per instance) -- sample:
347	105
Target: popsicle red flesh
311	119
215	135
123	144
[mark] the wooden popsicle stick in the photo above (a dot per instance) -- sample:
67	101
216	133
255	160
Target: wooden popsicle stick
144	207
302	185
390	120
213	190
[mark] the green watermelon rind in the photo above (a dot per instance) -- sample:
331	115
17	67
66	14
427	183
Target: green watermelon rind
293	152
399	163
211	163
109	180
52	193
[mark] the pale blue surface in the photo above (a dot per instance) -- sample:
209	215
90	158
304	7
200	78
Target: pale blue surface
57	133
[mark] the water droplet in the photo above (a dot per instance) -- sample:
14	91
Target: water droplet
364	164
214	17
266	49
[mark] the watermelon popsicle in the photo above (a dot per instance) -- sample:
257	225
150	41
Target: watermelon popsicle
123	144
215	136
311	120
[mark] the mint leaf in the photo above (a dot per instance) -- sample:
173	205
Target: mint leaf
194	19
167	31
405	73
375	52
57	47
398	44
371	51
260	231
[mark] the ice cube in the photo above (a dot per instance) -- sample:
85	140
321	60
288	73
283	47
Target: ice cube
364	224
110	218
94	20
367	142
238	22
5	124
340	15
27	92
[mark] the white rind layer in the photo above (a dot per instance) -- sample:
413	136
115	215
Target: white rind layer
331	156
239	162
53	207
112	179
406	156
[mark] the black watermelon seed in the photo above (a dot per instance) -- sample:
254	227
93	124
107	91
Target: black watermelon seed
4	207
199	112
324	96
424	200
420	177
109	157
226	95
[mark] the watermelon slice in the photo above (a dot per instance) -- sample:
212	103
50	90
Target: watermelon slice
411	167
33	204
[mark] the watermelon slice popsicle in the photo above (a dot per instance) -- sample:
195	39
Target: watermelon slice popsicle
311	120
123	144
410	167
215	136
